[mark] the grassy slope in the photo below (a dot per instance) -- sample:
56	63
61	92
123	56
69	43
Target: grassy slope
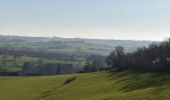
92	86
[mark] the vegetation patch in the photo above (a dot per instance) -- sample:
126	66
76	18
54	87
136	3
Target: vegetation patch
89	86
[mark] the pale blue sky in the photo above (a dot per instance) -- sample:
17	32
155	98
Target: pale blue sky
105	19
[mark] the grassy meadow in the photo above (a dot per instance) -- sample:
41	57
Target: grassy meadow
90	86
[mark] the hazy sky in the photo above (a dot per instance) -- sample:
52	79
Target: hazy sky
106	19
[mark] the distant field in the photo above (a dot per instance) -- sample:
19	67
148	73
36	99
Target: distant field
22	59
91	86
70	46
73	51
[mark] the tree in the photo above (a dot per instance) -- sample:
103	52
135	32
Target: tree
156	57
87	67
116	57
58	70
26	66
4	61
15	57
97	62
40	62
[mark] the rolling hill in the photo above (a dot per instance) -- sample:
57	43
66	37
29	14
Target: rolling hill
69	45
73	51
89	86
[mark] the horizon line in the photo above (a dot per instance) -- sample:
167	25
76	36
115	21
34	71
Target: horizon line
81	38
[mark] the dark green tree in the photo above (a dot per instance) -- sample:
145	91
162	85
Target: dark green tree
116	58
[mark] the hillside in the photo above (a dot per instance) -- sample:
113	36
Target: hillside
69	45
15	51
90	86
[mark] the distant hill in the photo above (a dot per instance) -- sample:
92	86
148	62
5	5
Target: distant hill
71	45
73	51
129	45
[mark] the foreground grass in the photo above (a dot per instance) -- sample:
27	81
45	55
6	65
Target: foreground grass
91	86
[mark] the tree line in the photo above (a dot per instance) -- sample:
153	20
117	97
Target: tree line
155	58
41	68
94	63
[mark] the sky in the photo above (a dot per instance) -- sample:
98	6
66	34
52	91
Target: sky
97	19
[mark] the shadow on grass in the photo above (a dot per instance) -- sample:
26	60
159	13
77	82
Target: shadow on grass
131	80
47	93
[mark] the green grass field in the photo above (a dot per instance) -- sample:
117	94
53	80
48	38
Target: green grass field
90	86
